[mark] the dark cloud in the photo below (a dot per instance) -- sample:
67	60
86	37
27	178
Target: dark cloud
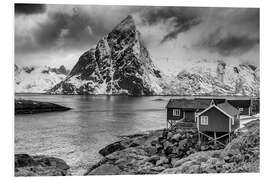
29	8
183	19
249	18
229	44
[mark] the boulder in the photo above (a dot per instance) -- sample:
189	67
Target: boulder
162	160
176	136
22	160
117	146
153	159
26	165
182	144
106	169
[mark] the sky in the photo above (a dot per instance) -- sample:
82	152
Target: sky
54	35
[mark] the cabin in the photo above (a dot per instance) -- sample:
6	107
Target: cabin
183	110
217	121
244	106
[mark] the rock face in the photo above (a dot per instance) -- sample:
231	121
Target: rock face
119	64
34	79
31	107
26	165
213	79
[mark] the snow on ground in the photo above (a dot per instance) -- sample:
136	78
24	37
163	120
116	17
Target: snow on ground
245	119
36	79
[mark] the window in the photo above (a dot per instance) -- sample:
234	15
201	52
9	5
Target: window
176	112
241	109
232	121
204	120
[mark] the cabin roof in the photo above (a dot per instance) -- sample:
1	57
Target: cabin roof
232	111
240	103
189	103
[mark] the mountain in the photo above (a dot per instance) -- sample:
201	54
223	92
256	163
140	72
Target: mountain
215	78
34	79
119	64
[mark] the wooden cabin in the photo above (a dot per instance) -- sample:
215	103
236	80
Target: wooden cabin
183	110
217	121
244	106
213	118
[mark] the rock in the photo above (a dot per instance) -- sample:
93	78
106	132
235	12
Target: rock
169	136
153	159
182	144
22	160
117	146
150	150
203	148
31	107
154	142
106	169
162	160
26	165
176	137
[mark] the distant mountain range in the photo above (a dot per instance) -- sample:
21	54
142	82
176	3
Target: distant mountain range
35	79
121	64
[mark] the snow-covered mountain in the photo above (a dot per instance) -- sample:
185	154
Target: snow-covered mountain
213	78
34	79
119	64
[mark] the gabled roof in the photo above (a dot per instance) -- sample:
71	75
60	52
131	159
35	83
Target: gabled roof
232	111
189	103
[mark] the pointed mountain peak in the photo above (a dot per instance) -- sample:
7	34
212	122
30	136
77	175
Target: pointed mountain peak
127	23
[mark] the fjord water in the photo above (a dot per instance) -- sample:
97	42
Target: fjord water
94	121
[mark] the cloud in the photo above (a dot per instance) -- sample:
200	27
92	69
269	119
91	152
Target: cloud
227	44
28	9
182	19
189	32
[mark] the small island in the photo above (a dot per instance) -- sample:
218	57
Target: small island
30	107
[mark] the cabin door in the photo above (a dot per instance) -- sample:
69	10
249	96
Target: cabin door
190	117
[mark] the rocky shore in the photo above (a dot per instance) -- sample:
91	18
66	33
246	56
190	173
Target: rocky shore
172	152
30	107
26	165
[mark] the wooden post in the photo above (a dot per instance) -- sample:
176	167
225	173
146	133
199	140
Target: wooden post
199	136
215	137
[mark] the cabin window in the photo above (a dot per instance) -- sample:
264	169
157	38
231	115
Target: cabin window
176	112
204	120
241	109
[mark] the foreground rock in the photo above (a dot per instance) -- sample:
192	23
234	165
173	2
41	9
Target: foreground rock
149	153
241	155
171	152
31	107
26	165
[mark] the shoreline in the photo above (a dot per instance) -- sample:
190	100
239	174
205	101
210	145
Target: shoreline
173	95
154	152
147	155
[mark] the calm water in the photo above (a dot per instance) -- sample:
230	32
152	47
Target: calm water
95	121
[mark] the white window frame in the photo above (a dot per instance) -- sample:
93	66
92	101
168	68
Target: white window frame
204	120
176	112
